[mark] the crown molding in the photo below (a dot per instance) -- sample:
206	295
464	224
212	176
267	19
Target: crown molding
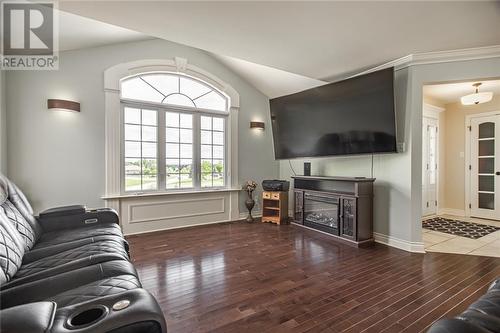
456	55
433	108
416	59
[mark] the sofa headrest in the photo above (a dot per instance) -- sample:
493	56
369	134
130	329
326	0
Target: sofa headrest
4	189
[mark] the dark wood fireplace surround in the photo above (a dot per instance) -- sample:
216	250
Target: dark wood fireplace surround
339	206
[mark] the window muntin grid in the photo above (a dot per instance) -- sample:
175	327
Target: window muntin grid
173	89
212	151
140	149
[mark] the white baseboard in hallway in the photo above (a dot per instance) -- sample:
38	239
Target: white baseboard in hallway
451	211
417	247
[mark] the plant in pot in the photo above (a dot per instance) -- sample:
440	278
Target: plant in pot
249	187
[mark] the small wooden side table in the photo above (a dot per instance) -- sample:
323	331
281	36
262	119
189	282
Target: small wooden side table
275	207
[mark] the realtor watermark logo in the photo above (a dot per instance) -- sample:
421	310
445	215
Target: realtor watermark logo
29	36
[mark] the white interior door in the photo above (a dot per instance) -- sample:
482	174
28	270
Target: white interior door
429	166
485	167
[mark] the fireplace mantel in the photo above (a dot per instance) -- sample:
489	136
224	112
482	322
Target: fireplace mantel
344	179
339	206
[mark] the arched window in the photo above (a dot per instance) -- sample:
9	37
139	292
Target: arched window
174	133
173	89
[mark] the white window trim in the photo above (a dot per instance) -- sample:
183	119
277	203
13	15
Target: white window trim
113	125
161	176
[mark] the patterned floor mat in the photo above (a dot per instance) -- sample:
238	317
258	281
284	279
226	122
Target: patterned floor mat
459	228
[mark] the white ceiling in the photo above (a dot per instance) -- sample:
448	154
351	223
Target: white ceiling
322	40
451	92
270	81
77	32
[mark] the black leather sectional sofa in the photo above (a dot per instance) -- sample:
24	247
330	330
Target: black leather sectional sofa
483	316
68	270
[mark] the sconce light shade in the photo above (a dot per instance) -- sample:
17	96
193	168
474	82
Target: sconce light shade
257	124
63	104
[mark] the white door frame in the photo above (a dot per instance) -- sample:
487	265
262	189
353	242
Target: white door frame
432	112
468	161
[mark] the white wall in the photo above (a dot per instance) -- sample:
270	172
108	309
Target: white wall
3	125
57	157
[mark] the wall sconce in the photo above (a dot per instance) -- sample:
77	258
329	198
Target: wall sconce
63	105
257	124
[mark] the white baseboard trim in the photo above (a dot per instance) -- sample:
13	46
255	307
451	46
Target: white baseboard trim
241	215
451	211
417	247
173	228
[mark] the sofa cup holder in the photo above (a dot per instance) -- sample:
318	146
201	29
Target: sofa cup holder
87	317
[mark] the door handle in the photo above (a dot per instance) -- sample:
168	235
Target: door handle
497	173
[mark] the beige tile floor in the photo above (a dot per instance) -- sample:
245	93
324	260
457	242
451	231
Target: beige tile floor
488	245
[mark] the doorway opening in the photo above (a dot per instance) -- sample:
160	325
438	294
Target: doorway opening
461	169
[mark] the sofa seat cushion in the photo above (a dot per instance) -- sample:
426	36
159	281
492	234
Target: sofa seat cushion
45	251
62	284
68	235
111	249
105	287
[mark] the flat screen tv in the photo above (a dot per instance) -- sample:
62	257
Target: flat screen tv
353	116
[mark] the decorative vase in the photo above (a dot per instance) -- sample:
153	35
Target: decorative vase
250	203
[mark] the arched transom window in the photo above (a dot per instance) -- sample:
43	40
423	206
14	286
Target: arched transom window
174	89
174	133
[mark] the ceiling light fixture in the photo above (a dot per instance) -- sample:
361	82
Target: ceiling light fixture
477	97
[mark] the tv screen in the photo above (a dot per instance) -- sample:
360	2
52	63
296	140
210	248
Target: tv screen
353	116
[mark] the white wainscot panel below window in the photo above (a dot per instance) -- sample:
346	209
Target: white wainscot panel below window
144	214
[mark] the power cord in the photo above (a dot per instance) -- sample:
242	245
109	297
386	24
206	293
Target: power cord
291	167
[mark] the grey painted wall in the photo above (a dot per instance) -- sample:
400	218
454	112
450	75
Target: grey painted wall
58	157
3	125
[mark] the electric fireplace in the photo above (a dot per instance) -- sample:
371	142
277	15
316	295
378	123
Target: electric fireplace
339	206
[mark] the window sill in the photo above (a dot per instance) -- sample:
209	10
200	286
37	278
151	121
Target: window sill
155	194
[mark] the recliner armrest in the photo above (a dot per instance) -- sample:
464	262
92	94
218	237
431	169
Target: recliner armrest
63	211
28	318
143	314
60	218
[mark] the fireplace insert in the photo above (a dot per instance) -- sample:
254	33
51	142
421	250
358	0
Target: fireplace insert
322	212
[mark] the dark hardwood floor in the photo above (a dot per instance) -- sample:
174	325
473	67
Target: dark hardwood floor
239	277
